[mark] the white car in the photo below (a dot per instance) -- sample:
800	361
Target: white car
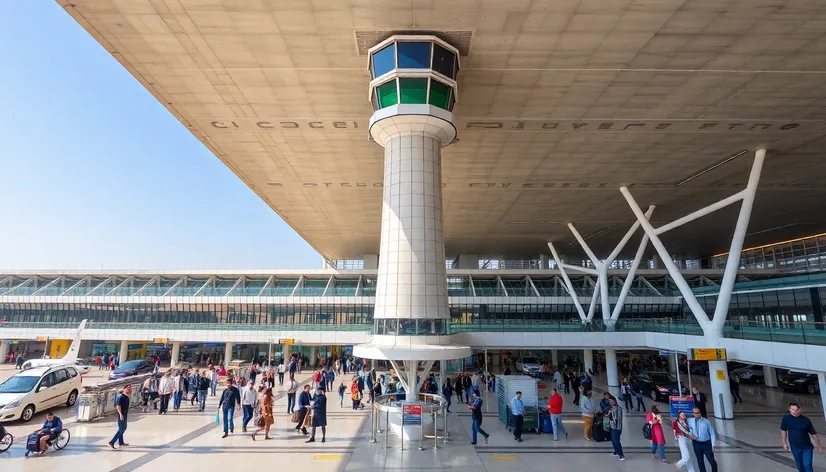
38	389
81	365
529	366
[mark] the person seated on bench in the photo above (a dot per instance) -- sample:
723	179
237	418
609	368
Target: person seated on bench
51	430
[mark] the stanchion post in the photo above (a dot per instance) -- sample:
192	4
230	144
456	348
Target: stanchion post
444	413
435	432
387	432
373	439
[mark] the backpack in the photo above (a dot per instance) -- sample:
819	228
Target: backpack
646	431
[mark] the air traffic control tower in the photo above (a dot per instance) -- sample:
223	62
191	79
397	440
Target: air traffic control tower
413	92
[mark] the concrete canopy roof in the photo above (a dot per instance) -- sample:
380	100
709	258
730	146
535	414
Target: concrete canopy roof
560	103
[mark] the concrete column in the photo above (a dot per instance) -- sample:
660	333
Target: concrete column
720	391
555	357
467	261
4	350
611	373
588	360
658	263
821	379
672	366
227	354
176	353
286	350
313	356
371	261
544	262
770	376
124	351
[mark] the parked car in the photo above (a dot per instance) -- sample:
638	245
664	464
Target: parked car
658	385
750	373
799	382
528	365
38	389
132	368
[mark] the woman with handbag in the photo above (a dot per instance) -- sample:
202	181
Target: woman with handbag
266	420
681	433
655	420
355	394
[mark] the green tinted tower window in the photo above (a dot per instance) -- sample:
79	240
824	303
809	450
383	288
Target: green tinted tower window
388	95
439	94
413	90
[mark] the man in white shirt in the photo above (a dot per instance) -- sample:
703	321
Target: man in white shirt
248	398
178	387
165	389
558	380
474	382
281	370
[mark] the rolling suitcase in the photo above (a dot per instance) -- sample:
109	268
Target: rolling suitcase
545	422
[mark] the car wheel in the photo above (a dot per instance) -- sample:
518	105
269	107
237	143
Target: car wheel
70	402
811	389
655	396
28	413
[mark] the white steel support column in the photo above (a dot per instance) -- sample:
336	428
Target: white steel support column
588	360
821	380
4	350
555	358
611	372
285	353
123	354
769	376
227	354
712	327
176	354
568	283
313	356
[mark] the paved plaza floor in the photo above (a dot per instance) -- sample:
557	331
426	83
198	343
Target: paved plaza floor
189	440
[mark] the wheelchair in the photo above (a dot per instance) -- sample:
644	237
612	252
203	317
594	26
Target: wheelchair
6	439
58	443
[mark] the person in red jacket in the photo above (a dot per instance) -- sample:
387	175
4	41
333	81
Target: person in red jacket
555	408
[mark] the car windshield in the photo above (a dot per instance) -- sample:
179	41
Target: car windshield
529	360
129	365
663	378
19	384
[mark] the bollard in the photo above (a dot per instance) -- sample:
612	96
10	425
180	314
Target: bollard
435	432
373	439
387	433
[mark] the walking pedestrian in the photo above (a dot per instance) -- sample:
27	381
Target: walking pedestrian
796	433
655	420
476	418
331	377
303	408
625	389
165	389
681	434
703	440
699	400
576	385
734	386
640	403
265	422
213	380
586	408
555	409
319	407
292	389
203	391
248	399
178	386
280	370
447	392
230	398
122	408
615	420
341	390
355	394
518	413
194	382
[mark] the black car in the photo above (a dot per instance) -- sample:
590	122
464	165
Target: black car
131	368
799	382
657	385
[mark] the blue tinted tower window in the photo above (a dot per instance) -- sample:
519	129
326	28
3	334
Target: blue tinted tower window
384	61
414	55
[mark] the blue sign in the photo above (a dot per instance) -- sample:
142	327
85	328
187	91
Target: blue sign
135	346
666	353
679	404
214	344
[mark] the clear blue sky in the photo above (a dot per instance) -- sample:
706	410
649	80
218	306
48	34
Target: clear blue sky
95	172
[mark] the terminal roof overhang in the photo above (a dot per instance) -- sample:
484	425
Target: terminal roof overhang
560	103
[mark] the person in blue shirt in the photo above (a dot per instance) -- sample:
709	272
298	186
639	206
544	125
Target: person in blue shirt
518	412
703	439
796	433
605	404
50	430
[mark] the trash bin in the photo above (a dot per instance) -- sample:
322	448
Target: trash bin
88	406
